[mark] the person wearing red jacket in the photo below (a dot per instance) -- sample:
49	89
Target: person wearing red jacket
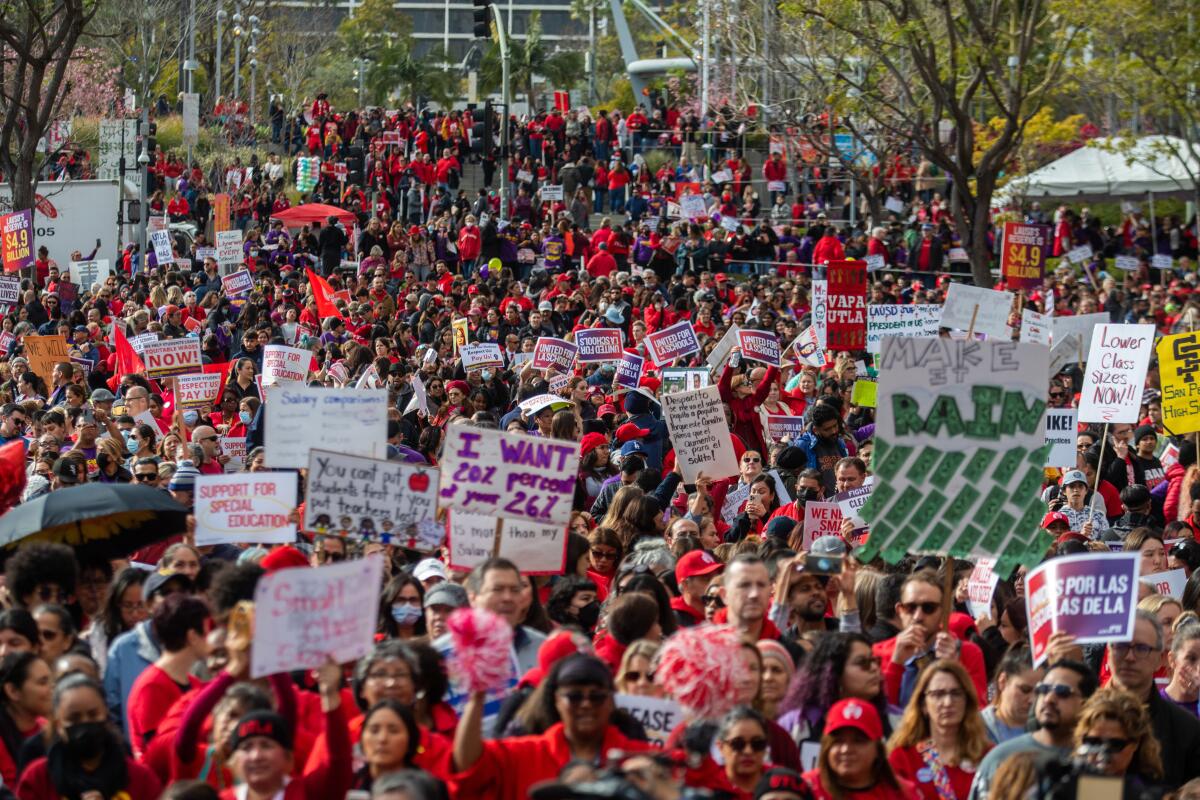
178	208
775	171
446	166
828	248
469	245
602	264
744	401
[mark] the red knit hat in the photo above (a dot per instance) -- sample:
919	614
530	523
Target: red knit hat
590	442
283	557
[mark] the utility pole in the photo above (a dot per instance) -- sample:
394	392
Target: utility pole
237	52
143	164
506	101
222	15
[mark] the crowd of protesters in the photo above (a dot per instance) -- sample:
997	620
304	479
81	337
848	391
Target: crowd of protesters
131	678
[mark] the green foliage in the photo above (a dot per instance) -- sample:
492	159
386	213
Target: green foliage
396	74
530	58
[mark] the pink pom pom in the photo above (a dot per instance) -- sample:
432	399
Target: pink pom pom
480	658
701	667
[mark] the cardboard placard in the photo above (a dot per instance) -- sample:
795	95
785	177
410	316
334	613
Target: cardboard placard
759	346
1179	370
478	355
300	418
681	379
598	344
820	310
659	715
10	290
821	518
44	353
1169	584
555	354
980	587
1116	373
1023	254
283	365
890	319
245	507
197	391
864	393
986	307
229	247
780	427
235	448
1082	325
629	370
1061	430
536	548
172	357
696	421
1036	327
86	273
724	346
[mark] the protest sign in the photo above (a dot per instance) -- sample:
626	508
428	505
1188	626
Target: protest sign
846	311
971	308
558	382
659	715
1092	596
980	587
337	371
671	343
1116	371
16	240
759	346
139	342
781	427
44	352
508	475
197	391
462	332
806	349
388	501
889	319
1162	261
1126	263
959	448
552	193
229	247
478	355
555	354
598	344
7	340
235	448
875	263
1064	352
1080	324
1178	368
536	548
1035	327
1079	255
304	615
696	421
680	379
1169	584
1060	436
172	357
236	283
284	365
629	370
724	345
820	308
1023	255
161	242
85	273
299	418
245	507
10	290
691	206
821	518
851	501
863	394
735	498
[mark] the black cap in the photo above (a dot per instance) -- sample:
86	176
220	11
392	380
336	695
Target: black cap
261	723
782	781
66	470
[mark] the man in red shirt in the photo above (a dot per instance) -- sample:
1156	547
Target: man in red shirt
602	264
693	573
446	165
636	123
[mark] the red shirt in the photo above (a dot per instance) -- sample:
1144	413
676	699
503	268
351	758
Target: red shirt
152	695
880	791
908	765
970	656
36	783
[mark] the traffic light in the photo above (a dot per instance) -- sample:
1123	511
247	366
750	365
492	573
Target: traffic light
483	18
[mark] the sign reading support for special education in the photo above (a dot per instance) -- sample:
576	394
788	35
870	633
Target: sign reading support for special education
555	354
959	449
1115	374
508	475
172	357
1060	435
598	344
379	500
283	365
671	343
300	418
245	507
1092	596
1179	371
304	615
889	319
536	548
759	346
1023	256
987	308
846	316
696	421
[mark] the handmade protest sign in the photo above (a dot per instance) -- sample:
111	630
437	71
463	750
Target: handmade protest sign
598	344
696	421
1092	596
1079	255
1023	255
172	357
555	354
235	448
807	348
1169	584
724	345
680	379
691	206
387	501
889	319
163	254
820	310
197	391
44	352
735	498
959	449
1116	371
10	290
245	507
1035	327
283	365
1060	436
1162	261
240	282
846	313
299	418
863	393
629	370
1179	372
536	548
506	475
759	346
875	263
1081	325
7	340
821	518
671	343
971	308
480	355
659	715
85	273
1064	352
1126	263
229	247
980	587
305	615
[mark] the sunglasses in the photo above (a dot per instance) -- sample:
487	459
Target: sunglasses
145	477
738	744
578	697
608	555
928	609
634	676
1108	745
714	600
1060	690
1056	395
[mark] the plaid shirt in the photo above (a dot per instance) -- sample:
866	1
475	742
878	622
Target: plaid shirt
1077	518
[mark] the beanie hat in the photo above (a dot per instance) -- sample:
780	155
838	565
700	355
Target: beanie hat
261	723
184	478
1142	431
283	558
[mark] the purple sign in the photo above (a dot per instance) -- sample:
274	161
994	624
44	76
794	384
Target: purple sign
1092	596
780	427
759	346
629	370
238	283
671	343
598	344
555	354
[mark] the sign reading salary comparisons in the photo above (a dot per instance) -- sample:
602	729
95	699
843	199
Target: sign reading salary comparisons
1179	371
629	370
889	319
555	354
598	344
172	357
386	501
300	418
987	308
536	548
671	343
16	240
285	365
248	507
1115	374
304	615
1092	596
506	475
1023	256
821	519
696	421
85	273
197	391
478	355
1060	435
846	314
959	449
759	346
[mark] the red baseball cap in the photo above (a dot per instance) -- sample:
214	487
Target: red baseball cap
696	562
1054	516
629	431
607	408
854	713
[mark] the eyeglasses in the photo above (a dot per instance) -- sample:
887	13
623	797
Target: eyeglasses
1060	690
577	697
714	600
146	477
1121	649
928	608
738	744
607	555
953	695
634	677
1106	744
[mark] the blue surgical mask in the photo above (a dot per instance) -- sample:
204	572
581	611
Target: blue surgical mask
190	418
245	417
406	614
487	375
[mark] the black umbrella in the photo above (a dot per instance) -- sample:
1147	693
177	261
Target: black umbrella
99	520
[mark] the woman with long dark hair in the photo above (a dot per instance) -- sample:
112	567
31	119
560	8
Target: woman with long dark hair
27	683
123	608
401	608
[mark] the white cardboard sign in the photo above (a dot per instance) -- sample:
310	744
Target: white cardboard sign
696	420
245	507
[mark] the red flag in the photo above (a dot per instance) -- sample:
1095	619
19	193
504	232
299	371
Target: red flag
562	101
323	294
128	361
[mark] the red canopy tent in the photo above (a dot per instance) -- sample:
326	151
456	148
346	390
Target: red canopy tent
309	213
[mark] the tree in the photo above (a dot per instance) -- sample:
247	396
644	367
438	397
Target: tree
396	73
529	59
37	40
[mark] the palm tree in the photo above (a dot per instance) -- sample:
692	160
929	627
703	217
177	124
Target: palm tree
395	72
531	58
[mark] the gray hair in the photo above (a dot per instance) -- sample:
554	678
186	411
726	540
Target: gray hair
739	714
654	554
1158	629
411	784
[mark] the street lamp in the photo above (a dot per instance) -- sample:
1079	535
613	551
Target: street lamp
222	15
143	162
255	32
237	52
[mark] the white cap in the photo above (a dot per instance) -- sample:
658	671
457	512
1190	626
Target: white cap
430	568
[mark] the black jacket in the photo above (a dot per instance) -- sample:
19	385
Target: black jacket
1178	734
